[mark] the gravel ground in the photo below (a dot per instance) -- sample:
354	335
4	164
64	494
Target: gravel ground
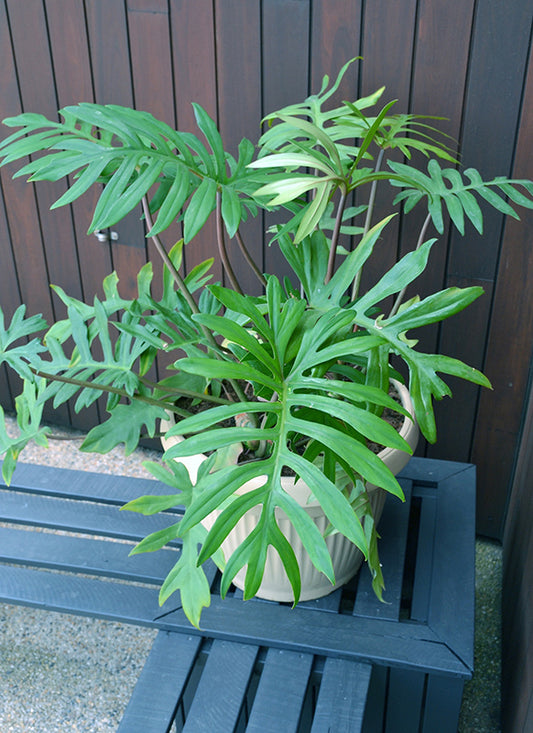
61	673
481	702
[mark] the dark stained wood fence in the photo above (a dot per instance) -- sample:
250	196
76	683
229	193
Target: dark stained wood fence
469	60
465	59
517	601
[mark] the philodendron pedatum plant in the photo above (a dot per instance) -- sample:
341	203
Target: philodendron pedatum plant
297	378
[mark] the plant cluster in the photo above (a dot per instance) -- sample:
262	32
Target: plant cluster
301	371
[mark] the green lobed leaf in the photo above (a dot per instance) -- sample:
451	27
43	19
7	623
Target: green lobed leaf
217	438
364	461
287	556
354	391
226	370
231	210
289	188
399	276
107	211
172	204
312	159
207	418
333	502
245	305
314	210
212	135
125	425
202	203
225	522
29	409
155	540
242	555
213	489
239	335
436	307
152	504
189	578
364	422
309	534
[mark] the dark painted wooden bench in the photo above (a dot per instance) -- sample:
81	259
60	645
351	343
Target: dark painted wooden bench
341	664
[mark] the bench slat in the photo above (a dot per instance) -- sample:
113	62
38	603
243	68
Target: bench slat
81	596
279	699
404	700
222	688
262	624
75	484
443	703
74	516
342	697
80	554
152	706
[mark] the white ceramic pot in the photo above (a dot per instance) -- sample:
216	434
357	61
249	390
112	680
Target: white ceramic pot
346	557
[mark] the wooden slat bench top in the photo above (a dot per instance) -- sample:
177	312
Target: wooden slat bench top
343	663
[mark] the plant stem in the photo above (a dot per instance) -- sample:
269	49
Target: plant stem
372	197
222	248
182	287
186	294
419	243
335	237
166	259
107	389
187	393
248	257
368	219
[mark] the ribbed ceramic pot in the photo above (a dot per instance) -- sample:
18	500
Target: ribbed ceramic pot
345	556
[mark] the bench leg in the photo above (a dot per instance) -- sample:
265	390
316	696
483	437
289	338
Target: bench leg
342	697
152	706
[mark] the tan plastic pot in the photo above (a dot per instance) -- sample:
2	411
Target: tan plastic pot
346	557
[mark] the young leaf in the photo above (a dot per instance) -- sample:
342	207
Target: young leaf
212	135
231	210
152	504
202	203
189	578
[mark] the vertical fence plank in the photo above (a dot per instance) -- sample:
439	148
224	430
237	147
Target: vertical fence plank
335	38
19	198
509	346
194	64
438	84
22	252
239	83
37	87
110	62
462	59
517	630
499	43
9	300
73	83
285	45
148	25
388	26
72	72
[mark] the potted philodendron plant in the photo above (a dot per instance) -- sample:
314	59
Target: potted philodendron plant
276	398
